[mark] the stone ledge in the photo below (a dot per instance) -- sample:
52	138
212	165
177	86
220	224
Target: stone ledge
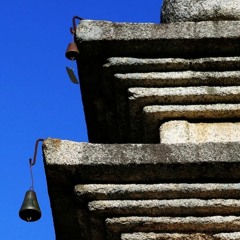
128	64
184	132
139	163
207	225
91	30
173	207
110	105
195	11
179	78
154	116
141	97
177	236
90	192
102	39
68	164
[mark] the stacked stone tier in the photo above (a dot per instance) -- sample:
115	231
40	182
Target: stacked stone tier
142	94
144	191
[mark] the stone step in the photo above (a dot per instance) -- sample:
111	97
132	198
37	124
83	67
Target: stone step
116	88
153	116
217	225
175	207
185	132
183	95
142	163
141	97
179	78
178	236
129	65
156	191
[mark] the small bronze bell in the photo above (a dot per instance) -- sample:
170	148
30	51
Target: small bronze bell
30	210
72	51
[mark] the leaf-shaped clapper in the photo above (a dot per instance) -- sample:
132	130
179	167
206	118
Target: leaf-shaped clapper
71	75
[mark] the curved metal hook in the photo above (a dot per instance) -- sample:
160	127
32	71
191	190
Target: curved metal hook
73	28
32	162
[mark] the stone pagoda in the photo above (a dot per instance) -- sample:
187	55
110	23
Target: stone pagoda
162	107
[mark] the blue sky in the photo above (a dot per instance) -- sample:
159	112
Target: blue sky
37	100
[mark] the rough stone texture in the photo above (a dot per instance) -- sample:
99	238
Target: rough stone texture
199	10
119	162
181	78
99	40
77	174
192	224
158	65
177	236
174	207
90	30
173	189
148	55
185	132
141	97
154	116
162	80
156	191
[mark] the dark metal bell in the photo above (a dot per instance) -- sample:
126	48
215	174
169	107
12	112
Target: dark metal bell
72	51
30	210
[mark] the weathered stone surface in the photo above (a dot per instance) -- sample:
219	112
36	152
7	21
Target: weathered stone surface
116	87
174	207
102	39
141	65
180	78
212	225
203	10
69	164
90	192
185	95
123	163
205	47
153	116
141	97
177	236
185	132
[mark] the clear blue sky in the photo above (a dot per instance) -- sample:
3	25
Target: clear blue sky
37	100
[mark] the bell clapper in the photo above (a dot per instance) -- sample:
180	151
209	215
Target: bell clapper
71	73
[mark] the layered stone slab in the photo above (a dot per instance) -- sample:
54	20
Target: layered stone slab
141	65
141	97
177	236
173	207
115	88
125	163
183	132
94	211
90	192
162	82
179	78
103	39
207	225
154	116
195	11
189	70
148	55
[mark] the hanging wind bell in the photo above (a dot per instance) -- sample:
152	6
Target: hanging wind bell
72	52
30	210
